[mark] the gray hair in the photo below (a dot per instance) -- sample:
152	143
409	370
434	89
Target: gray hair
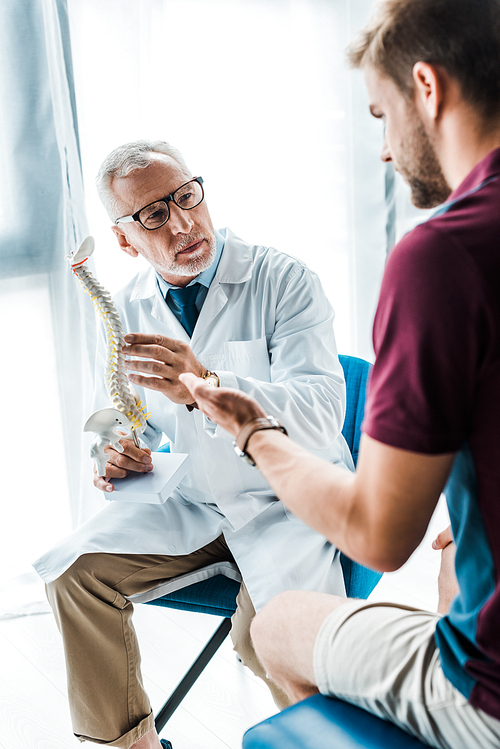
125	159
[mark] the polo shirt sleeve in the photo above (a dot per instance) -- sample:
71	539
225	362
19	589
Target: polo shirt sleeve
429	337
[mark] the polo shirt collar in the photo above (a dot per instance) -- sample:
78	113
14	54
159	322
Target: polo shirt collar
487	168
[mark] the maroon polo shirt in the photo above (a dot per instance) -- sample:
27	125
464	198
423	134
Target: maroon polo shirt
435	388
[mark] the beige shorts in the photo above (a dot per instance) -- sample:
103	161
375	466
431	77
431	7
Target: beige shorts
383	658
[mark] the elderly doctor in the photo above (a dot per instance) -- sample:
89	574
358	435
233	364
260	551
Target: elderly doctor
242	316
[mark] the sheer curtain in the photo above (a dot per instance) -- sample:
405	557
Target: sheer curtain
48	333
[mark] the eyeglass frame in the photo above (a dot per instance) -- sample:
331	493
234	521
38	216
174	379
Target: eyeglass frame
167	199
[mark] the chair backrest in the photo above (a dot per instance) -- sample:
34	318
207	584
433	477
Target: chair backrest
359	581
356	373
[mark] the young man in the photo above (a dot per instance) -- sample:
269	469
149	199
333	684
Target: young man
432	70
258	321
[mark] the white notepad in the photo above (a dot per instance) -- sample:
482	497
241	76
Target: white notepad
154	487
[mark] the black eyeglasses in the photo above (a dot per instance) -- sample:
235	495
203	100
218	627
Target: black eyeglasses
154	215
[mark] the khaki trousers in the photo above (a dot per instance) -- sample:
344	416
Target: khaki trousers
108	702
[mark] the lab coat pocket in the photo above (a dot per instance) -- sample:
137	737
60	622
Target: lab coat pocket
248	358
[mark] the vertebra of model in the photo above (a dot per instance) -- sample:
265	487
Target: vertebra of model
127	414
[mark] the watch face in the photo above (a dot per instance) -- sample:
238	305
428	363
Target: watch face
212	380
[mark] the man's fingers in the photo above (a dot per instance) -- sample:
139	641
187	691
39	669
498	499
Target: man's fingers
115	472
152	351
155	368
137	340
131	459
123	463
443	539
120	465
139	454
447	580
189	379
133	338
207	397
151	383
103	483
229	408
195	385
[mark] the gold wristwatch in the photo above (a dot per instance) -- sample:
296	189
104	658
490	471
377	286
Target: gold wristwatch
211	378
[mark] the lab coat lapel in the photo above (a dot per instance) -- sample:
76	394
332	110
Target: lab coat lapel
147	288
215	301
163	313
235	267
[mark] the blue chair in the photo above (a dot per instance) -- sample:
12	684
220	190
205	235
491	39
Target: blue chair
359	581
218	594
324	722
356	374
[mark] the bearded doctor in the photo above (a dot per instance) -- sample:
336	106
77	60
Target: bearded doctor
241	316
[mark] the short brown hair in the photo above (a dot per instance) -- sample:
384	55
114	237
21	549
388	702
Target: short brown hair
463	36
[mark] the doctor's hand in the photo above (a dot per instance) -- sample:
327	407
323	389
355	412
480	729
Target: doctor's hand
132	459
447	580
169	359
229	408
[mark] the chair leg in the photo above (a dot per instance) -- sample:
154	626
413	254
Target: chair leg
189	679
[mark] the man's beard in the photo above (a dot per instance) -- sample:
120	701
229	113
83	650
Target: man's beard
195	265
420	168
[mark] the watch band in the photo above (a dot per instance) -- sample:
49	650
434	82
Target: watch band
246	431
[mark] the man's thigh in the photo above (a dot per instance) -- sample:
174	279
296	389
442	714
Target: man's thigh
129	574
383	657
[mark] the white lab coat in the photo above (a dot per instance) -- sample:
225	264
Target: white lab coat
265	328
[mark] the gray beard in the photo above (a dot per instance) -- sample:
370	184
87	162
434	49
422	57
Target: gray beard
195	266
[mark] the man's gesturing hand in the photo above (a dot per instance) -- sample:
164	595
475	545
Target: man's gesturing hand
168	358
229	408
120	465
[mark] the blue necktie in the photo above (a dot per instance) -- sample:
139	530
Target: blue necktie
185	300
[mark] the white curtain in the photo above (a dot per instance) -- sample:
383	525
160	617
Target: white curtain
47	332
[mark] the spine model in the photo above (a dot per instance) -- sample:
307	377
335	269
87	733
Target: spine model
122	396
